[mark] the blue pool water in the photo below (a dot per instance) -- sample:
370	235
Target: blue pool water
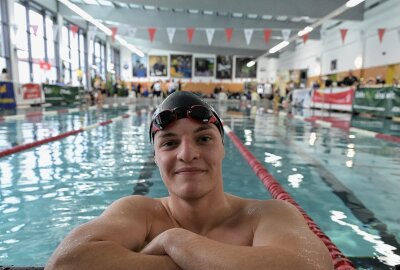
347	183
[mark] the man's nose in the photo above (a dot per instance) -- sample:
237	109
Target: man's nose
188	150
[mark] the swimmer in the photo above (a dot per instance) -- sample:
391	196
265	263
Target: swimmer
198	226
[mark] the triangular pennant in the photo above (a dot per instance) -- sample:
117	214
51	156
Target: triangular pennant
152	33
34	29
190	33
343	33
305	37
228	33
74	29
15	29
113	33
247	34
381	32
55	31
210	35
286	34
92	32
171	34
267	34
132	32
322	33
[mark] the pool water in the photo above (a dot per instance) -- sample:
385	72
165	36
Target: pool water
345	182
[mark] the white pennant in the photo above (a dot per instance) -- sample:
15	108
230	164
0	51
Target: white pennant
15	29
210	34
55	31
132	32
248	33
171	34
92	32
286	34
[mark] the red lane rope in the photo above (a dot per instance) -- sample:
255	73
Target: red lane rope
388	137
340	261
26	146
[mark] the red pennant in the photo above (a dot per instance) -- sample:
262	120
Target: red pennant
44	65
305	38
343	33
381	32
152	33
228	33
74	29
34	28
113	33
267	34
190	33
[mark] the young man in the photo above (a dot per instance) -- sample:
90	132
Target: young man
197	226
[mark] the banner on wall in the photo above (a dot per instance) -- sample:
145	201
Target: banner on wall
139	66
31	91
383	101
58	95
181	66
158	65
335	98
224	67
7	98
242	70
204	66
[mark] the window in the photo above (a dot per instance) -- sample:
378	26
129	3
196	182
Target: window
4	38
99	58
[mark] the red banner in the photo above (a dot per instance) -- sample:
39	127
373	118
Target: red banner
31	91
228	33
343	98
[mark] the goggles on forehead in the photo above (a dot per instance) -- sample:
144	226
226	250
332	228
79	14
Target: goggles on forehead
198	113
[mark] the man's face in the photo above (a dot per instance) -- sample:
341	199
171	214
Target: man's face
189	156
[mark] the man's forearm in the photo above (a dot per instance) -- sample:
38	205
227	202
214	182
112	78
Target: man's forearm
194	252
106	255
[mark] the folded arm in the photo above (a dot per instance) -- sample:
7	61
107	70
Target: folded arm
284	246
110	242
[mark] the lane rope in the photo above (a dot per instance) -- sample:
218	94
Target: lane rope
340	261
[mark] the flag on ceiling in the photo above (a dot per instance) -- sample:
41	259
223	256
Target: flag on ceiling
267	34
305	37
15	29
210	34
190	33
247	34
92	32
343	33
34	28
74	29
152	33
132	32
55	31
171	34
228	33
381	32
286	34
114	31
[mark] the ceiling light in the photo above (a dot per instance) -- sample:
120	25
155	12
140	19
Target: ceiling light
282	18
147	7
353	3
266	17
251	63
105	3
91	2
306	30
135	6
193	11
278	47
208	12
252	16
237	15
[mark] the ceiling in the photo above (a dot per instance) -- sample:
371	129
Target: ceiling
218	15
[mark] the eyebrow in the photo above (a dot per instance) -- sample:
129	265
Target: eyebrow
168	134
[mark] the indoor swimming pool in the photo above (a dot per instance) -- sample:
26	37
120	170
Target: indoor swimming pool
346	182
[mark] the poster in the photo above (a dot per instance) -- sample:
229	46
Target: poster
224	67
58	95
204	66
158	65
139	66
242	70
7	98
181	66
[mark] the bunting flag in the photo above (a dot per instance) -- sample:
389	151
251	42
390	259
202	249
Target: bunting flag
305	37
15	29
210	35
171	34
322	33
152	33
34	28
190	33
343	33
132	32
381	32
247	34
55	31
267	34
74	29
286	34
114	31
92	32
228	33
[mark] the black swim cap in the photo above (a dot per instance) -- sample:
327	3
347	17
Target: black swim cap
185	99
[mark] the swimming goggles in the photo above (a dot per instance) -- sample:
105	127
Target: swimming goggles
198	113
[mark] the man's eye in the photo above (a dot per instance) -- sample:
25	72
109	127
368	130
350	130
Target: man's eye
168	144
205	138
